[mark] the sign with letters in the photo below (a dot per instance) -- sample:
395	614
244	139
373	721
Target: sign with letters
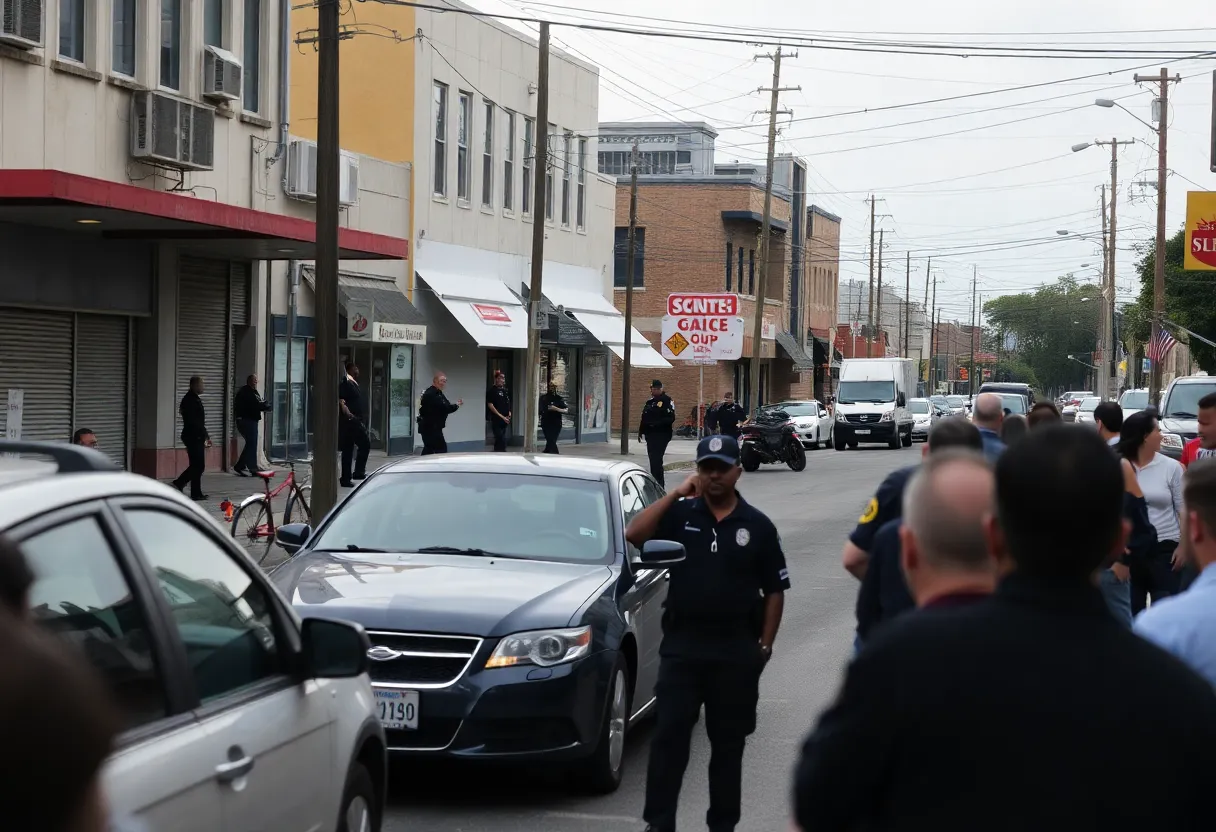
703	326
383	333
1200	254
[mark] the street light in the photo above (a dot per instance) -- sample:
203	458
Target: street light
1108	103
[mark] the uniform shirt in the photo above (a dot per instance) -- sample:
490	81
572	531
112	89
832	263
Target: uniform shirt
1194	450
349	392
728	417
658	415
547	416
1185	624
715	593
501	399
884	592
886	505
1161	482
433	409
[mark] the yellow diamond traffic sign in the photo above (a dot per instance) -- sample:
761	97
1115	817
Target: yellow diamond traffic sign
677	343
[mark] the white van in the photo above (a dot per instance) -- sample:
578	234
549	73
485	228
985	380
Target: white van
871	402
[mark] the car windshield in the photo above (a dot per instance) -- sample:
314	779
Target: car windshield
1183	400
1013	402
919	406
506	515
956	401
1090	404
794	409
1134	399
852	392
940	400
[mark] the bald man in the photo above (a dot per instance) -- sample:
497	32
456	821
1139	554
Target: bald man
433	411
988	415
944	551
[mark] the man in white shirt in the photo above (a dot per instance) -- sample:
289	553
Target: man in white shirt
1108	417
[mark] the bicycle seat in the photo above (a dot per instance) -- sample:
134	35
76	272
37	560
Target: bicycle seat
266	475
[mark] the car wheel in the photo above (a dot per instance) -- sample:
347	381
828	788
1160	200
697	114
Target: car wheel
360	811
838	443
907	440
602	771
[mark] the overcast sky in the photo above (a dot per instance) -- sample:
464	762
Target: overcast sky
947	185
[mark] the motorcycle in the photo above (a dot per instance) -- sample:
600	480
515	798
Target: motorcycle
771	438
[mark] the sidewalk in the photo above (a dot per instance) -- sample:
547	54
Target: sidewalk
220	486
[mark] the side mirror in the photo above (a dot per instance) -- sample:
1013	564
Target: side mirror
900	400
333	649
662	552
293	536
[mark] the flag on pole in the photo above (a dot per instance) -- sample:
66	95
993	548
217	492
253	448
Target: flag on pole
1158	348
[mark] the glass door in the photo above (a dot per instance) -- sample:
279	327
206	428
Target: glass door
502	361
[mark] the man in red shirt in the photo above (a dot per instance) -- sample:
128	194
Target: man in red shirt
1203	445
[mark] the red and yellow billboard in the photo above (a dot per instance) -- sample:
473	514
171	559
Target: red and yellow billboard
1200	231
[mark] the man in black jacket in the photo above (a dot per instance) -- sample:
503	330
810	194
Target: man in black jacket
1028	710
247	408
196	439
658	416
433	411
352	428
498	410
728	415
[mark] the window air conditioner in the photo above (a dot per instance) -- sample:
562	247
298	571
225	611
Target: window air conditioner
171	132
221	74
348	185
302	173
21	23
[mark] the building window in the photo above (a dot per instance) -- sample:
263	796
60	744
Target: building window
171	44
567	166
213	22
730	261
549	136
620	260
508	165
529	163
464	171
441	143
751	271
740	270
123	37
581	210
487	159
252	96
71	29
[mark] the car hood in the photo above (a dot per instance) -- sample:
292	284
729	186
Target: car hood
1183	427
438	593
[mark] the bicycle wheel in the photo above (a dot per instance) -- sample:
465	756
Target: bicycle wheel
299	510
251	527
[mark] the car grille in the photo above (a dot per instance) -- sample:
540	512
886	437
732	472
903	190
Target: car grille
419	660
862	418
433	734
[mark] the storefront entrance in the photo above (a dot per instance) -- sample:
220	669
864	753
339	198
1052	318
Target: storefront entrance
373	363
560	366
502	361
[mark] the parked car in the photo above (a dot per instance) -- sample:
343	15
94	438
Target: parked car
1019	388
238	714
511	620
958	405
1085	411
924	416
942	403
1179	411
1073	397
811	419
1133	401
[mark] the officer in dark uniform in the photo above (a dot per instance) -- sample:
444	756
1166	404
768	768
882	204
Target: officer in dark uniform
498	410
721	617
658	416
728	415
353	440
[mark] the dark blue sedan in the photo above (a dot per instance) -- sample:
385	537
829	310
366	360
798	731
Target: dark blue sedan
509	617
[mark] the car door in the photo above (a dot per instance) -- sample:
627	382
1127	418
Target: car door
644	600
275	764
89	591
825	423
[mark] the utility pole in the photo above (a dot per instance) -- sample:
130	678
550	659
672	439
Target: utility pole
971	372
934	320
927	311
879	317
325	424
1106	280
630	252
907	300
870	320
1163	119
541	166
766	226
1106	323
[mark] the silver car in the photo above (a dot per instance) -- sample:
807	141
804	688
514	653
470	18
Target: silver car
812	421
1085	412
924	416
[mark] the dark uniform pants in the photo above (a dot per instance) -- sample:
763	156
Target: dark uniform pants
248	428
351	436
499	429
730	691
656	446
433	442
551	430
196	463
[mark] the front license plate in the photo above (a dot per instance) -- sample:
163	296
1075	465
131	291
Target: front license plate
862	432
398	709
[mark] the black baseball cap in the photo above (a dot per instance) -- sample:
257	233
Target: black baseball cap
721	448
656	383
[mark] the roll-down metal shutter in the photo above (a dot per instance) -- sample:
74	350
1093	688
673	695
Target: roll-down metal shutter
240	293
102	381
36	356
203	336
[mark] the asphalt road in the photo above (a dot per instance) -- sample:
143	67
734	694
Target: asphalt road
814	511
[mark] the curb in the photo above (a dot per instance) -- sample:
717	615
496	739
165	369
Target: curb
682	465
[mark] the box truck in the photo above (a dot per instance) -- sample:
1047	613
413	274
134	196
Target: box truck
871	402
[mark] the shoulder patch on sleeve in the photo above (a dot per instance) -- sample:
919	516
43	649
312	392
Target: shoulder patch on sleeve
871	511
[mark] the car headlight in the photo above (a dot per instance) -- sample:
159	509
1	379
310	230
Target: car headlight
888	416
1171	440
840	417
544	648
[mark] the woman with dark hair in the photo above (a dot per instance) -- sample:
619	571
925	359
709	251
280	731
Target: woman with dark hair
1014	428
1044	413
1159	479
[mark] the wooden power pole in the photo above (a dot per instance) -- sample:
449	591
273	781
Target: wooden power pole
870	319
541	167
878	318
907	299
971	372
630	252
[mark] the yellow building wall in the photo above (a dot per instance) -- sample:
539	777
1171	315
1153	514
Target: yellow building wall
376	87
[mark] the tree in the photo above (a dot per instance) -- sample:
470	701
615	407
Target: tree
1048	325
1189	301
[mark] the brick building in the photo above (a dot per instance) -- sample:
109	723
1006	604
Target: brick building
822	295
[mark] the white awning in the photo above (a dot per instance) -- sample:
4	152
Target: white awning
489	311
605	323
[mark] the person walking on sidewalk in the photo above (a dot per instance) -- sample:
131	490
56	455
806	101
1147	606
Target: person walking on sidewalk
552	406
247	408
498	410
728	415
433	411
196	439
658	416
1154	573
352	429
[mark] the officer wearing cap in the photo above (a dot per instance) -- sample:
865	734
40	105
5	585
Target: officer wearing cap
658	416
720	619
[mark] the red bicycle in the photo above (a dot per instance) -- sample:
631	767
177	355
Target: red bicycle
253	519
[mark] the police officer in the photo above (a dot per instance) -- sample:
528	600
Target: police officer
722	613
729	414
498	410
658	415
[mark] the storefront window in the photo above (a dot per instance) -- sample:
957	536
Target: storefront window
558	366
401	392
594	392
287	419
